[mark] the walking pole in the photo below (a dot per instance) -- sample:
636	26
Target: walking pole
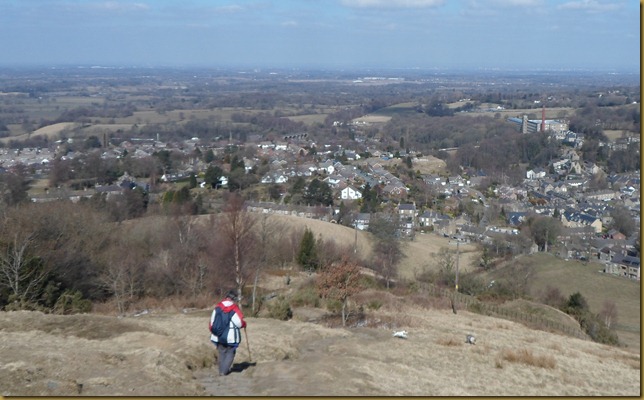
247	345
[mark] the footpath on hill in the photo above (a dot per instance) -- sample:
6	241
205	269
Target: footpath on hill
169	354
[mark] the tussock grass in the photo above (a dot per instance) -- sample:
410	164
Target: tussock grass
430	302
448	342
501	325
166	304
390	322
525	356
632	360
306	296
556	347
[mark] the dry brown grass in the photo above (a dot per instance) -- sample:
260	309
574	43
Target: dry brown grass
525	356
448	342
613	135
168	354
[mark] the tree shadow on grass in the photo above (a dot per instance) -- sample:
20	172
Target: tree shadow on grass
239	367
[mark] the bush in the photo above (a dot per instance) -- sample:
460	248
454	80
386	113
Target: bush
15	304
471	284
72	302
576	306
553	297
280	309
306	296
369	282
374	304
413	287
597	330
333	305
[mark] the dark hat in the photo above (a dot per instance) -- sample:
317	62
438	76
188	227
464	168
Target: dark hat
232	294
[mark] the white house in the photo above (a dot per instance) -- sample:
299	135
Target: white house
535	173
327	167
274	177
350	193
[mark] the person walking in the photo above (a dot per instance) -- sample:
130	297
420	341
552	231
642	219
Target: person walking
230	337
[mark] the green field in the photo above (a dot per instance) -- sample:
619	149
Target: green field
401	108
574	276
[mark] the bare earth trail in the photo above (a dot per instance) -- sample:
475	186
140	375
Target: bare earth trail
319	363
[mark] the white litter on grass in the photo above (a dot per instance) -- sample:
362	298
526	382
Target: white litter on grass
401	334
470	339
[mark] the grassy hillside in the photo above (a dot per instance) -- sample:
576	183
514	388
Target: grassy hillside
574	276
419	254
168	353
548	271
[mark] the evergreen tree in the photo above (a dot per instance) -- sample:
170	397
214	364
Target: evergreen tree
209	156
213	173
318	192
307	256
369	200
182	195
237	163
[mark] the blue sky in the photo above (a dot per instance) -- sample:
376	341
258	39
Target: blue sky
445	34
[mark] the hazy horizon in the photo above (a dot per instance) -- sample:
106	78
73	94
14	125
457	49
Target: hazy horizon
588	35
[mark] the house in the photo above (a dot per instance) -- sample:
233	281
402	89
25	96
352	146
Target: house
602	195
333	180
625	266
429	218
616	235
576	220
350	193
266	145
274	177
327	167
362	221
407	211
516	218
536	173
395	189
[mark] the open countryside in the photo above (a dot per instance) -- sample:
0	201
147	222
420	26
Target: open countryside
138	198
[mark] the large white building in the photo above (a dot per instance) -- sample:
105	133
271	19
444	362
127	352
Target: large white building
534	125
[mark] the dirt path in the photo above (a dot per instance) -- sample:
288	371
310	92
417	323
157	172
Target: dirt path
317	363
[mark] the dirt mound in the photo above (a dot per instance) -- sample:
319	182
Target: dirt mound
170	355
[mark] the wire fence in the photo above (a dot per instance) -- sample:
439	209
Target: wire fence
463	301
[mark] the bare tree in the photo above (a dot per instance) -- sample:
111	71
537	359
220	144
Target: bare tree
329	251
518	279
122	274
267	238
188	254
20	271
609	313
445	262
238	231
388	248
387	256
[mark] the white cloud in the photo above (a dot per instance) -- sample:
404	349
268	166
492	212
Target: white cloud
232	8
592	6
489	4
119	6
518	3
393	3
